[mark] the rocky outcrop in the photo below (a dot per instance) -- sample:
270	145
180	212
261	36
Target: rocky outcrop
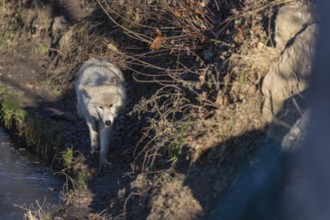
288	76
290	20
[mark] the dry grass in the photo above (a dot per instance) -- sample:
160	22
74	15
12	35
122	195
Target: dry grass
172	56
38	211
207	61
174	200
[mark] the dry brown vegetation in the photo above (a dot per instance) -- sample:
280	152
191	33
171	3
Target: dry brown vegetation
207	60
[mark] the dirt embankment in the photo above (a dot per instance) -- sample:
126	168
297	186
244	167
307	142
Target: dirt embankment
193	72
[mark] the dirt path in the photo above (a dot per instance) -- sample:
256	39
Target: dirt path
23	70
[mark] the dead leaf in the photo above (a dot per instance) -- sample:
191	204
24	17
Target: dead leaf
112	47
158	41
177	13
159	33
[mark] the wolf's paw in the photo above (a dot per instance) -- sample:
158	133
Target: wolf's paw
104	165
94	152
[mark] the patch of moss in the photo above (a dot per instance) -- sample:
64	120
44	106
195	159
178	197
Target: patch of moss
82	180
12	110
42	49
38	134
67	157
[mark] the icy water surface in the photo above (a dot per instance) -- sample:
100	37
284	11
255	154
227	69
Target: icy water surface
24	179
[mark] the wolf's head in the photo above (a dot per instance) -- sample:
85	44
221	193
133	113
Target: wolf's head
106	113
107	100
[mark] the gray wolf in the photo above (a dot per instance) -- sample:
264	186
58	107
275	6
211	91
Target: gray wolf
101	96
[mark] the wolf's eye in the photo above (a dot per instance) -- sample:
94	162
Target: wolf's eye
110	105
100	106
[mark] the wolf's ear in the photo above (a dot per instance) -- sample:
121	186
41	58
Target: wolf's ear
113	81
88	89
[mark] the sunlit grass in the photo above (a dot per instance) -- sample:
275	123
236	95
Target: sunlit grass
42	49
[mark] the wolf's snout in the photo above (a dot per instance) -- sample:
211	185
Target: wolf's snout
107	122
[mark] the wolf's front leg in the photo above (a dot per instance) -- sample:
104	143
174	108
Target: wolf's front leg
94	136
105	134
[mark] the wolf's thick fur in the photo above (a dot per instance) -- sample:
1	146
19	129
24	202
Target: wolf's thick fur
100	98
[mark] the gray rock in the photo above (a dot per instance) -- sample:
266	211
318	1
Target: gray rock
288	76
290	20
